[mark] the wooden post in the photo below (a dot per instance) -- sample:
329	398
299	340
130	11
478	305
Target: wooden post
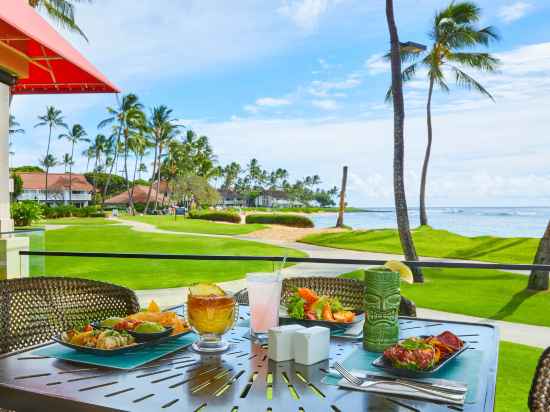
340	220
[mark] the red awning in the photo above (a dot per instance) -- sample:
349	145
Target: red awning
44	61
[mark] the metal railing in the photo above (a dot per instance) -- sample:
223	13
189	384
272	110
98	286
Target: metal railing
359	262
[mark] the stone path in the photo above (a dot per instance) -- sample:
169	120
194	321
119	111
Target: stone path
537	336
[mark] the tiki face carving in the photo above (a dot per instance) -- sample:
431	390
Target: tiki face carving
382	301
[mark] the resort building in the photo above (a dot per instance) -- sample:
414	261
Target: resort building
34	188
274	199
139	196
230	198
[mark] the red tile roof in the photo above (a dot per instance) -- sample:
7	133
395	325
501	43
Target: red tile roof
56	181
139	196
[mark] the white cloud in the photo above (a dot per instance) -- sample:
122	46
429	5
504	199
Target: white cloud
515	11
377	64
325	88
325	104
305	13
272	102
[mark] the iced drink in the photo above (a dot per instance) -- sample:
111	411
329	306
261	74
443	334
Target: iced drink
264	295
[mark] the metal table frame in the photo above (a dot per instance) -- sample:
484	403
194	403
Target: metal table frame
242	379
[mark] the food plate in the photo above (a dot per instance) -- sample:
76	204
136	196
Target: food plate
284	319
121	350
386	365
140	337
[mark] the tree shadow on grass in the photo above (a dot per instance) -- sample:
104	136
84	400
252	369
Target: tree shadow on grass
489	246
513	304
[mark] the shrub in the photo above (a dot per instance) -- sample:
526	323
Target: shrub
26	212
280	219
216	216
56	212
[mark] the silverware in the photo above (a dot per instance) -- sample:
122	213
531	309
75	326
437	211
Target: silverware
355	381
437	386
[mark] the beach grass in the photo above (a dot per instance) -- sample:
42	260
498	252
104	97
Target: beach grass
182	224
433	243
488	294
151	274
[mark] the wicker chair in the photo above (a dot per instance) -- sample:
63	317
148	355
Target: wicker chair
348	291
539	396
32	310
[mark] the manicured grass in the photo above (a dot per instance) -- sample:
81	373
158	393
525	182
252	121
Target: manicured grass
76	221
181	224
434	243
484	293
302	209
152	274
516	368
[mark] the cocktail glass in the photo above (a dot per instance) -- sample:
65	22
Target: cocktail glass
211	317
264	296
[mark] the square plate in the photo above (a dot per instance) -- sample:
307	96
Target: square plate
386	365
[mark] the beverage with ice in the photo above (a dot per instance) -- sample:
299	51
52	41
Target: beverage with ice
264	295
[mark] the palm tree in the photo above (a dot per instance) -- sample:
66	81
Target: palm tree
161	129
75	135
66	160
53	119
99	146
538	279
12	131
47	162
453	31
401	209
61	11
89	154
142	168
127	116
138	145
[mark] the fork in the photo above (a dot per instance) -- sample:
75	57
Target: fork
354	380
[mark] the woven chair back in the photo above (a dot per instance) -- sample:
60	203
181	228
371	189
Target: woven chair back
32	310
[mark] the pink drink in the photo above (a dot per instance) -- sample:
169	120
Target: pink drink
264	295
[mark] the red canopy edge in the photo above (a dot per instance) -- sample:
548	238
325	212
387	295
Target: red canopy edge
54	66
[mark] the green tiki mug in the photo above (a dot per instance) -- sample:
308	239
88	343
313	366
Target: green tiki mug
382	299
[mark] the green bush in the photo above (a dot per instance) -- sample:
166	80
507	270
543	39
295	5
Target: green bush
216	216
26	212
280	219
56	212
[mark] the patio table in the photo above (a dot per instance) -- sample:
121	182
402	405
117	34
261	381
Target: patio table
242	379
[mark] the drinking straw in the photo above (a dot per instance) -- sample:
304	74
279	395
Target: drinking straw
281	267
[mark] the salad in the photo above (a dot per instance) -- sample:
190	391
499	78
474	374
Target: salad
100	339
420	354
304	303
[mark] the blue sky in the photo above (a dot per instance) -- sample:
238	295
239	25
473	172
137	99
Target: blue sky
300	84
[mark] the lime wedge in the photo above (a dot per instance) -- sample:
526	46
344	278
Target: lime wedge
206	289
403	270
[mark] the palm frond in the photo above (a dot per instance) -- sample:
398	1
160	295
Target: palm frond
465	81
62	11
480	61
407	75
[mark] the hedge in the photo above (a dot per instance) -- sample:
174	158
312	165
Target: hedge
280	219
50	212
216	216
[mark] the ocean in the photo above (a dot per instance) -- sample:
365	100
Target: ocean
467	221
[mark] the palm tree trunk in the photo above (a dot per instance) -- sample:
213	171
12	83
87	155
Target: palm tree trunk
152	179
95	177
47	154
158	180
538	280
340	220
423	213
130	199
71	176
108	182
401	210
134	177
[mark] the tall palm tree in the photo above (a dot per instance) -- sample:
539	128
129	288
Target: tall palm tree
75	135
161	129
53	118
538	279
401	209
138	145
66	160
61	11
48	162
127	116
89	154
453	32
99	147
12	131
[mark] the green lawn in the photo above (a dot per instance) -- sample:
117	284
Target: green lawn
516	368
483	293
76	221
152	274
181	224
434	243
